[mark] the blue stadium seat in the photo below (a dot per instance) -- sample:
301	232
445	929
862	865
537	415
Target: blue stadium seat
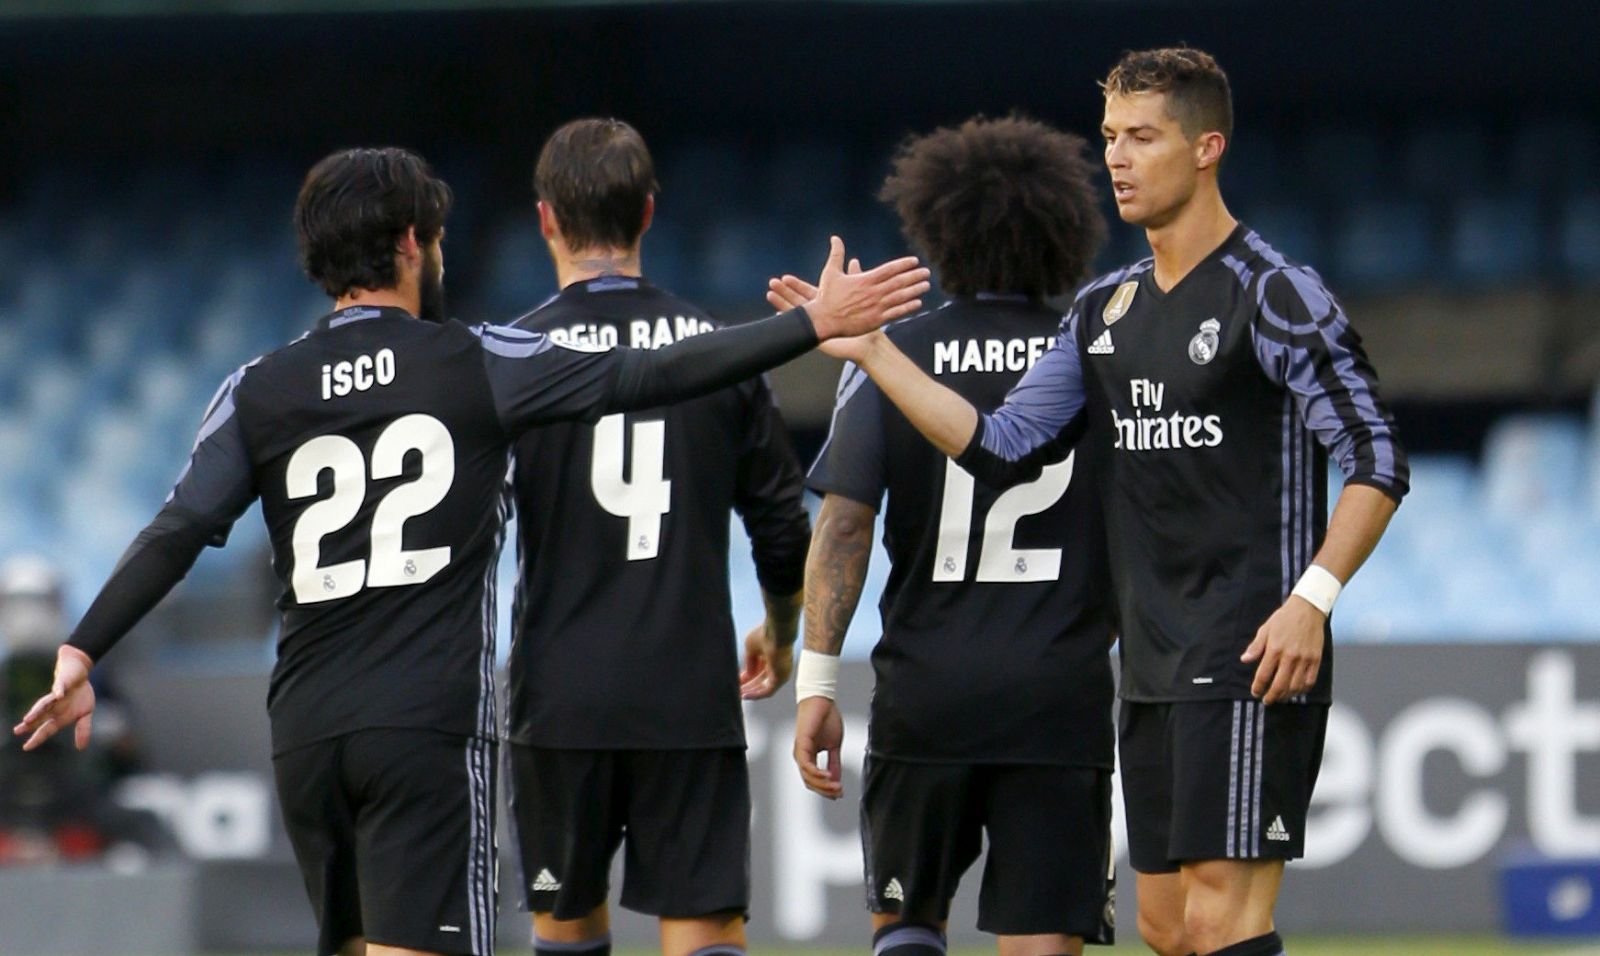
1342	165
1555	154
1580	236
519	275
1446	160
1253	169
807	177
1496	240
1532	463
1383	244
1291	229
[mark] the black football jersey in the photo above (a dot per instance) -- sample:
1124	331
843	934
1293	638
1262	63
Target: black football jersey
1215	405
378	445
996	632
624	637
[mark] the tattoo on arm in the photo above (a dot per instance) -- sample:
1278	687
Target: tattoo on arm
836	569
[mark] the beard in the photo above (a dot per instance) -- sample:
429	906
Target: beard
431	286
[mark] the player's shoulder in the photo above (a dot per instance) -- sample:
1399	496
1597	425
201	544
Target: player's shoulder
610	299
1107	283
912	328
1276	280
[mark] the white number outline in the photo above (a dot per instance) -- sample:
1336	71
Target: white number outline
999	561
388	563
642	493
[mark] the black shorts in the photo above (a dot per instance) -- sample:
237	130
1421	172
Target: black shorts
683	814
1217	779
1049	828
394	833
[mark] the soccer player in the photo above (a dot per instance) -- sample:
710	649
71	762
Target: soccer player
625	724
378	444
992	713
1216	376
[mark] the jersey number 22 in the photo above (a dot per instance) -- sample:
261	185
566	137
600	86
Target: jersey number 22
389	564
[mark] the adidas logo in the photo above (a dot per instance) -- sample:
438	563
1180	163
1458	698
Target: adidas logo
546	881
1276	831
1102	345
892	891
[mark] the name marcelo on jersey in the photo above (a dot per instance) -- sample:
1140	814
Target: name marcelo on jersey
989	355
1157	430
642	333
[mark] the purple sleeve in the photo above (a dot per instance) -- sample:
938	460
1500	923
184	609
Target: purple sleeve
1305	343
1039	422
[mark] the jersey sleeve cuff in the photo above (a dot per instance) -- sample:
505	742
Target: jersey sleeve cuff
1396	490
824	486
974	447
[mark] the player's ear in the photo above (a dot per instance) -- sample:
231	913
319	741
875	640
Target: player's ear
548	226
649	214
408	247
1208	150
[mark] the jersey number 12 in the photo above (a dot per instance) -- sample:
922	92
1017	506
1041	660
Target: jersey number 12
389	564
998	561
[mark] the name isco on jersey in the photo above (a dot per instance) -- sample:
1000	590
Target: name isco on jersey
642	333
1139	433
358	374
988	355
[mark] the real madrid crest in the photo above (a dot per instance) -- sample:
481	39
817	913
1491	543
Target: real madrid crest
1120	301
1203	347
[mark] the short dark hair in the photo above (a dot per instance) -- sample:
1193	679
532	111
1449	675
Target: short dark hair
1197	91
597	174
998	205
354	207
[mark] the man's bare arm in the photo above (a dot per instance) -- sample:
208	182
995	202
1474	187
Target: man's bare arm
1289	644
1359	519
836	570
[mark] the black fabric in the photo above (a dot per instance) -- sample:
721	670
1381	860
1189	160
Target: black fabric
396	435
1215	406
683	816
1048	867
996	628
697	365
393	833
1217	780
153	565
624	635
1270	944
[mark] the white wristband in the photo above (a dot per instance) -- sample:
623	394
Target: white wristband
1320	587
817	675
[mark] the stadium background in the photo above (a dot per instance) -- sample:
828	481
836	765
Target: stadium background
1441	166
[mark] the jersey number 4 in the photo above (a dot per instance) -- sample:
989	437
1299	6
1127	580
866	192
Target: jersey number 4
998	561
642	494
389	564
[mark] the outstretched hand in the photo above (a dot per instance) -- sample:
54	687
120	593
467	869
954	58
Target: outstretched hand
789	292
69	703
844	304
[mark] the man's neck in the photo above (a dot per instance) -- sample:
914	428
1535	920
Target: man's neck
380	298
1199	228
589	264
